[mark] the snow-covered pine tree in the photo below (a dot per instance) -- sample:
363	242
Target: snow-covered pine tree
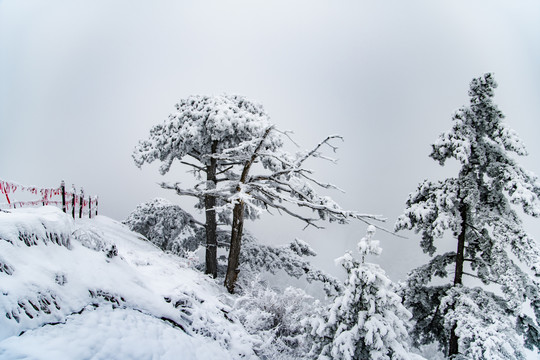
167	225
368	320
226	136
201	128
470	320
286	185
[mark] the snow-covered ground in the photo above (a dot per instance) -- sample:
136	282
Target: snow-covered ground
92	289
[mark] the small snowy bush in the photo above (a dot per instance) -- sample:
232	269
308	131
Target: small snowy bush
256	258
92	238
277	318
167	226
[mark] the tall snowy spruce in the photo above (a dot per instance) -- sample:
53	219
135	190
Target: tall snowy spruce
367	320
480	310
202	128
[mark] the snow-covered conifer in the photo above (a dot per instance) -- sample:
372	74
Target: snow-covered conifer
478	207
286	186
200	128
368	320
226	136
167	226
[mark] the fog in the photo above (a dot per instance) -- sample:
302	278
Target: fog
81	82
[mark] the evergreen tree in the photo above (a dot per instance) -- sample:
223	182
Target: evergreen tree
202	128
285	185
478	207
225	136
368	320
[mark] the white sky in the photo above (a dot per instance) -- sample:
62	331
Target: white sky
82	81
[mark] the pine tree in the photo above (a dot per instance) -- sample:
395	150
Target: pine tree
202	128
226	136
478	207
368	320
285	185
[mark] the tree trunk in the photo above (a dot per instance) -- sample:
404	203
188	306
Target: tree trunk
238	221
453	348
211	222
236	242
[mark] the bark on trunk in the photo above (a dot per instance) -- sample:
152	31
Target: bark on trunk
211	222
460	256
238	222
236	242
453	348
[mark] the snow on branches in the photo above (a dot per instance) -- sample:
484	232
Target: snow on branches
367	320
476	126
287	185
432	210
166	225
256	258
226	136
478	207
198	122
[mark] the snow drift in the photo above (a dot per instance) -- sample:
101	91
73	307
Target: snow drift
91	288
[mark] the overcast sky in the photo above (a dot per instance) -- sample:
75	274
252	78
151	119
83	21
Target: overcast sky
82	81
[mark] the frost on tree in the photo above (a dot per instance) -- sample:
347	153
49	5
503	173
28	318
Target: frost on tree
256	258
478	208
167	226
277	318
284	185
367	320
227	137
201	128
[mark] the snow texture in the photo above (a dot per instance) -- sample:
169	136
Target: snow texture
63	297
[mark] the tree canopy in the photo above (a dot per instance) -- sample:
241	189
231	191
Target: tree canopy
478	207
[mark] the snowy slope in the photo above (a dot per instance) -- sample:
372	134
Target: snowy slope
92	289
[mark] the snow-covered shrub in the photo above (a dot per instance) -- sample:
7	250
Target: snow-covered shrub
277	318
166	225
214	320
256	258
92	238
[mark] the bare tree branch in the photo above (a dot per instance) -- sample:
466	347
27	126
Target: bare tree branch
319	145
200	168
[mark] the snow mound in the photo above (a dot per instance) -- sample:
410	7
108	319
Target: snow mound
64	295
33	226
